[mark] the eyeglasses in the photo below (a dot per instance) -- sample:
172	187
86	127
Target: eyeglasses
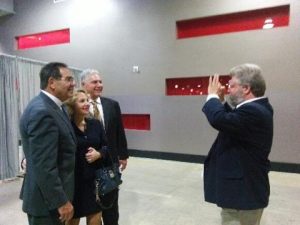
68	79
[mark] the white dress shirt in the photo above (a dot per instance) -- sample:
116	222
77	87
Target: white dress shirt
57	101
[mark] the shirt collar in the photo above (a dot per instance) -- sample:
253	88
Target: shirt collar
248	101
98	100
57	101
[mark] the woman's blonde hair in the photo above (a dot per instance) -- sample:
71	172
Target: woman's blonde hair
70	103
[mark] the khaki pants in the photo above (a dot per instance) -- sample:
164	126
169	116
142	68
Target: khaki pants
241	217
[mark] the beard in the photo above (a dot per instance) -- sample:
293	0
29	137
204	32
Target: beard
234	100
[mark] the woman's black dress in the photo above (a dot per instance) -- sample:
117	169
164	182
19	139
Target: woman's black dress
84	197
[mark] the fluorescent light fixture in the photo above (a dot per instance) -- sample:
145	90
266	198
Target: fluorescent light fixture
58	1
89	12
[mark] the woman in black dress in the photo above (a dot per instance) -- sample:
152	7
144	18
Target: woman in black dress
91	139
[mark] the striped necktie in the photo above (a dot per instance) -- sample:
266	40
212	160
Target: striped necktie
97	114
96	111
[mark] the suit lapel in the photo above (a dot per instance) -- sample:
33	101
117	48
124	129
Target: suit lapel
59	112
105	107
66	121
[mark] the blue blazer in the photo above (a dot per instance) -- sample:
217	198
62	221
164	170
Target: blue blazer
236	168
49	145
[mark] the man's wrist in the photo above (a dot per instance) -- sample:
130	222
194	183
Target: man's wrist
210	96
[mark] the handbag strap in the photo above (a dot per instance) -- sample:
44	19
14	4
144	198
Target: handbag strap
105	147
107	151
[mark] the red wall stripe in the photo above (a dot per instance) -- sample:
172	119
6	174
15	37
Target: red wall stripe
43	39
136	121
191	85
235	22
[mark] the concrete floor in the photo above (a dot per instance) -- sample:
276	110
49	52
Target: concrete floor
160	192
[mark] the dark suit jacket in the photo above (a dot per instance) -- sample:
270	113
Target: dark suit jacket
49	145
236	168
114	129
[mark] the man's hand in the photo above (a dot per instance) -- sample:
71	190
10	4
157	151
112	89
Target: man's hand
221	93
66	212
23	164
215	87
123	164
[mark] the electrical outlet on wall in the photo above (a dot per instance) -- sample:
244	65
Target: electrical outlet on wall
135	69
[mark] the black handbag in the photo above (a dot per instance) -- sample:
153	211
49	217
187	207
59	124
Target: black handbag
107	179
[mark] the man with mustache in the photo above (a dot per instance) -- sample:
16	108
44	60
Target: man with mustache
236	168
49	144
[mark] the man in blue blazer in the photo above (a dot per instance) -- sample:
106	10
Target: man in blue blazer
110	115
49	145
236	168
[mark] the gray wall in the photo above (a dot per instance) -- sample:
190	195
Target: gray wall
143	33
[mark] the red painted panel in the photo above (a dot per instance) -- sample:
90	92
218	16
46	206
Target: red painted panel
136	121
240	21
43	39
191	85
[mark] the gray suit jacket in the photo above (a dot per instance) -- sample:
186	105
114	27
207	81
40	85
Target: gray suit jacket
49	145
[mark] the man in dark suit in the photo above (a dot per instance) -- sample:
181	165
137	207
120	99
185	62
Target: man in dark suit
49	145
236	168
109	113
